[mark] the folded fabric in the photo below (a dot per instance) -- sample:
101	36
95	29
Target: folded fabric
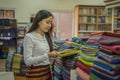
16	65
92	45
104	76
78	78
94	40
60	41
87	58
83	67
115	67
112	73
110	42
82	74
89	48
57	69
115	48
94	77
78	40
105	37
63	47
68	52
111	58
58	64
88	63
65	75
70	64
57	76
106	50
103	66
85	38
9	61
107	34
112	61
66	71
89	53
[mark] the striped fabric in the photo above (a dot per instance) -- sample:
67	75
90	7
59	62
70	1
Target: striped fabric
16	64
39	73
9	61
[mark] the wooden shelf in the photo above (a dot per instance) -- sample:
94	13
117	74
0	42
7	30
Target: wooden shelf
89	19
117	29
116	18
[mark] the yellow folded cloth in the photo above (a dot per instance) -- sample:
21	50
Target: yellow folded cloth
68	52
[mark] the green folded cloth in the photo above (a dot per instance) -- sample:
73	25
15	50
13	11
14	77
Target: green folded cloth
88	58
88	63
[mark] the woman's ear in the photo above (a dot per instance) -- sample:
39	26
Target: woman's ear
39	23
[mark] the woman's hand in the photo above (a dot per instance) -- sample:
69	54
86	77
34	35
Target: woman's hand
52	54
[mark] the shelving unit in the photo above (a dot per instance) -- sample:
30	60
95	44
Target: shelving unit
116	19
115	6
8	35
90	18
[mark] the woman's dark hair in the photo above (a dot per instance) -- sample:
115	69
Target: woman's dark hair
42	14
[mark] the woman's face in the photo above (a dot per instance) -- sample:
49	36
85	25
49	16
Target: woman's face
45	24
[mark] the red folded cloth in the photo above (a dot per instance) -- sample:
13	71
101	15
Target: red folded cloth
83	67
115	48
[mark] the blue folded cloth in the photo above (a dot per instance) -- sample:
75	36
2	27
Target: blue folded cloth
104	76
78	78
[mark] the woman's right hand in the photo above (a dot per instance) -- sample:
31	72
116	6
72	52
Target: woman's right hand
52	54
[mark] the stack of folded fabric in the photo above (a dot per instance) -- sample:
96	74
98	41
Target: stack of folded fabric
65	61
85	38
98	36
16	64
78	40
58	65
107	64
88	54
70	62
63	47
68	52
9	61
65	74
59	42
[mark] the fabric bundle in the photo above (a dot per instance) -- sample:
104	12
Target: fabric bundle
107	64
68	52
16	66
86	58
58	65
98	36
9	61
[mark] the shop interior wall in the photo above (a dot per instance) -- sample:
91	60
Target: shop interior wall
25	8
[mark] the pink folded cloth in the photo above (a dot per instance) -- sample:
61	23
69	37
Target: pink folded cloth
115	48
83	67
82	74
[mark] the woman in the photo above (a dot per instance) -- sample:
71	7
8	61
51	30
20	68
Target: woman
38	47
